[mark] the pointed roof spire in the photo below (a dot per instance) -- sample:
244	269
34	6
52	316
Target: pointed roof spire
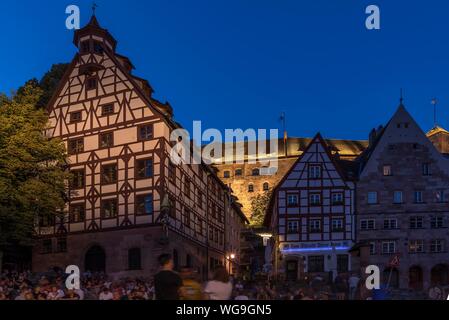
94	8
401	100
94	28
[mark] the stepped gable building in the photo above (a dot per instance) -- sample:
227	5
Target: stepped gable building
248	180
402	204
311	214
128	202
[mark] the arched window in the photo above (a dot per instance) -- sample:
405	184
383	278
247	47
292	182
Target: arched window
266	186
134	259
250	188
256	172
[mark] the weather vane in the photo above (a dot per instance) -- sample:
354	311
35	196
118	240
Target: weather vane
94	7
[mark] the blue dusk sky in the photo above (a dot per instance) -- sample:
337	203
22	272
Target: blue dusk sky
240	63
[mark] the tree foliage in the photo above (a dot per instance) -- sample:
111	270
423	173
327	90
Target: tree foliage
259	206
32	166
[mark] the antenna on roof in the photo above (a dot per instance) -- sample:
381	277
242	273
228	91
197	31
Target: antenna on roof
434	103
401	100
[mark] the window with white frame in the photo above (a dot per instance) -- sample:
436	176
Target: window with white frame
437	222
416	222
315	226
337	198
314	171
436	246
367	224
390	224
315	199
337	225
292	227
388	247
418	197
440	196
292	200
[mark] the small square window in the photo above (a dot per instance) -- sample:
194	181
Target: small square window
397	197
144	205
315	199
77	213
337	225
337	198
387	171
107	109
146	132
144	168
314	172
315	226
372	197
109	209
76	117
77	180
426	169
227	174
98	47
91	83
292	200
419	197
109	174
76	146
292	227
85	47
238	172
106	140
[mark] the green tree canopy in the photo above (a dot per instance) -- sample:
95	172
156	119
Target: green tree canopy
259	206
32	167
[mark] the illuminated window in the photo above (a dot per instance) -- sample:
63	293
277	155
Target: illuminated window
387	170
416	246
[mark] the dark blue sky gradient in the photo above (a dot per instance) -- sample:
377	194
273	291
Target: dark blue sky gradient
240	63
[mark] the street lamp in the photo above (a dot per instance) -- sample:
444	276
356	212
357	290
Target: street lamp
166	207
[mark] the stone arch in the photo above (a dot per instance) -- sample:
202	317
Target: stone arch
95	259
439	274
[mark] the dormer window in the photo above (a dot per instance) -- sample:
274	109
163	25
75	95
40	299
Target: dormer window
91	83
85	46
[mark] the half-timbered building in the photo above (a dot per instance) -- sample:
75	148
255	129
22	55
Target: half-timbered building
312	215
128	201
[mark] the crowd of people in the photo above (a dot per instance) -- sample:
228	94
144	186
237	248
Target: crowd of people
185	285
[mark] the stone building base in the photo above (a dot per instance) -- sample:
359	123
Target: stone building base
116	246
